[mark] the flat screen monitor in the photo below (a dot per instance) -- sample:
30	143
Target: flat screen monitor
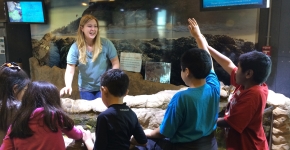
207	5
25	11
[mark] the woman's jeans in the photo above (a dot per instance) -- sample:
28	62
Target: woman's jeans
90	95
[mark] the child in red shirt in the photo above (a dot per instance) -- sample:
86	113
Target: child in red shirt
243	118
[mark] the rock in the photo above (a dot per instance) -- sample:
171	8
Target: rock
278	121
282	130
159	100
40	49
149	118
278	111
284	127
223	93
81	106
280	139
76	145
281	147
277	99
54	75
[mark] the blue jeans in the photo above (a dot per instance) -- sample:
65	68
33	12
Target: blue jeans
90	95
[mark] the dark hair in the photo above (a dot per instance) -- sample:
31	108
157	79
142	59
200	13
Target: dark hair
259	62
10	76
198	62
40	94
116	81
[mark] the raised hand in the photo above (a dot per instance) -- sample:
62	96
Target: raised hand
194	28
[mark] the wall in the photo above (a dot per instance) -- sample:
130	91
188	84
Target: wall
279	40
2	29
2	14
2	34
18	44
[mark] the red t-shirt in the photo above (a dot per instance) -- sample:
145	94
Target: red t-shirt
244	115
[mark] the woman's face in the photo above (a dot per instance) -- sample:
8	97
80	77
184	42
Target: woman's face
90	29
21	93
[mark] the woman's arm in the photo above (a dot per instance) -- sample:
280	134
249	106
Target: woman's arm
115	63
68	78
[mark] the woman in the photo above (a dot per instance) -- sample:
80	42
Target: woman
13	81
90	53
40	121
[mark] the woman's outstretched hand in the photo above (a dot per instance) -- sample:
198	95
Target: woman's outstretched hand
65	90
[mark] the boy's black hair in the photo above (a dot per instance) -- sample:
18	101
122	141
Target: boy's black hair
259	62
198	62
116	81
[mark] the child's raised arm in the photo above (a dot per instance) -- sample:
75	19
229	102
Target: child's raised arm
221	59
199	38
195	32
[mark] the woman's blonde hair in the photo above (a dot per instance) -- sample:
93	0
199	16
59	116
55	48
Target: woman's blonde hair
97	47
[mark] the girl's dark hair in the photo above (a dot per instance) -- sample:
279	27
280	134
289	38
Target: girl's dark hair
10	76
40	94
259	62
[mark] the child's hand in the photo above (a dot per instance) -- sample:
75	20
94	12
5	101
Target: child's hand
148	132
194	28
88	140
133	141
87	136
80	128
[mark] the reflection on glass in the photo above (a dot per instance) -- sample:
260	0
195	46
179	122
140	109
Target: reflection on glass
158	72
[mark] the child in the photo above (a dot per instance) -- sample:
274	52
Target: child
118	123
13	83
40	121
190	119
243	117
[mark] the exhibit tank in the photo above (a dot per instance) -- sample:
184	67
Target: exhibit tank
155	28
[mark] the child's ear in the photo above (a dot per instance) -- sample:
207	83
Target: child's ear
127	92
249	73
15	87
104	89
187	72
